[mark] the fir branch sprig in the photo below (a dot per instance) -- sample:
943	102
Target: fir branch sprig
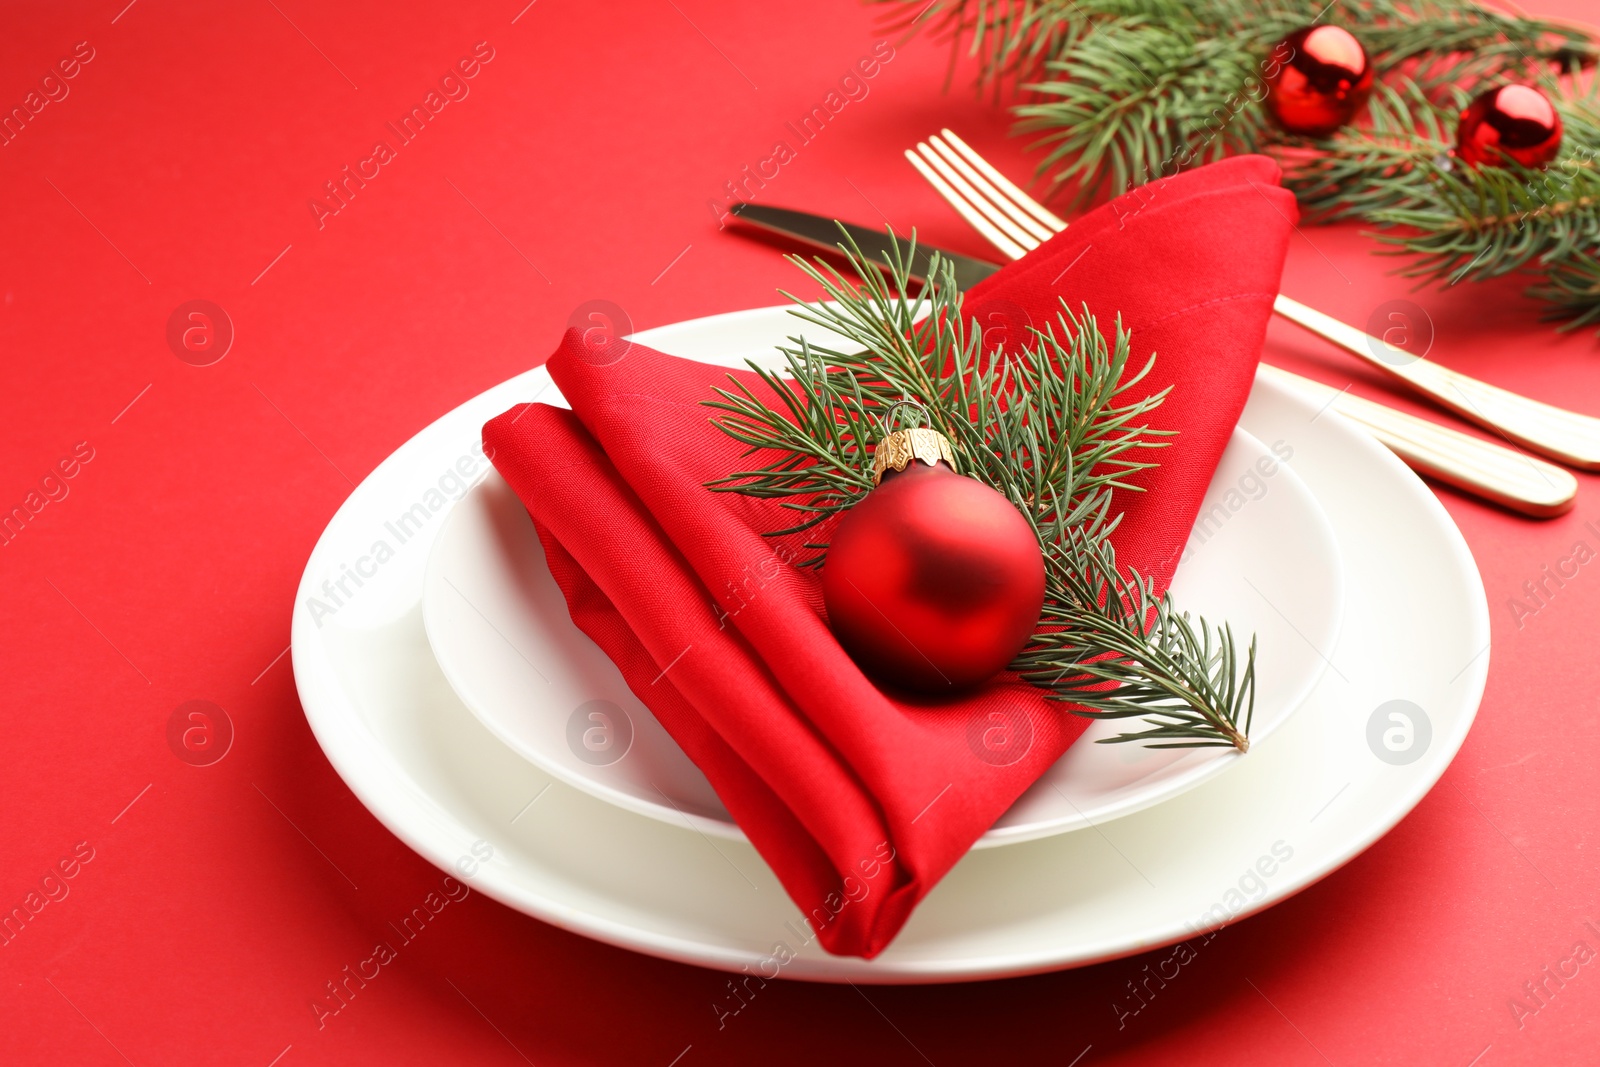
1122	92
1013	40
1056	427
1572	289
1379	166
1131	101
1454	222
1147	660
1486	222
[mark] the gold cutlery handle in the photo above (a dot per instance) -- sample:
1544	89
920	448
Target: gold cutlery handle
1505	476
1563	435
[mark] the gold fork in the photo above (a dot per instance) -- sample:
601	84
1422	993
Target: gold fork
1015	223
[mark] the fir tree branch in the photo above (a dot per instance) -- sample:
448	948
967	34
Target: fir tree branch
1132	101
1572	289
1056	427
1454	222
1014	39
1121	92
1378	166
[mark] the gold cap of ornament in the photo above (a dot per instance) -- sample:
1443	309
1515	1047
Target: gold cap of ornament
899	448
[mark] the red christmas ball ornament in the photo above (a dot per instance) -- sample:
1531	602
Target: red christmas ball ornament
1317	78
934	581
1514	121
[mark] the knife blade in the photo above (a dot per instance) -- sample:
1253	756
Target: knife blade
821	232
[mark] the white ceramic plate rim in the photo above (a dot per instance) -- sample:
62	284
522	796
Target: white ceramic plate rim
406	809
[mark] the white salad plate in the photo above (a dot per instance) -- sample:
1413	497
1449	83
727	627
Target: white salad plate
1263	557
1405	664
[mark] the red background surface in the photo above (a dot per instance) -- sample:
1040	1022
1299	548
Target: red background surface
580	165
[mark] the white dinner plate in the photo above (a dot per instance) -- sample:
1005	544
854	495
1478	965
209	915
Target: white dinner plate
1263	558
1378	729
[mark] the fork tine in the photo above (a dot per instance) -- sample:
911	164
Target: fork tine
996	198
1006	245
1022	199
976	199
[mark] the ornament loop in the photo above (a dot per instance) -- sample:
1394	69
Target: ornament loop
888	415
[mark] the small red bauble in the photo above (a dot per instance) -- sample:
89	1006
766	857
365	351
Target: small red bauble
934	581
1514	121
1319	77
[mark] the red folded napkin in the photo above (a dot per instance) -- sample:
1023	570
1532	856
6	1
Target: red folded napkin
859	799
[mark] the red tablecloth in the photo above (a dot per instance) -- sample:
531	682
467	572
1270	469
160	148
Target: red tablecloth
579	152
